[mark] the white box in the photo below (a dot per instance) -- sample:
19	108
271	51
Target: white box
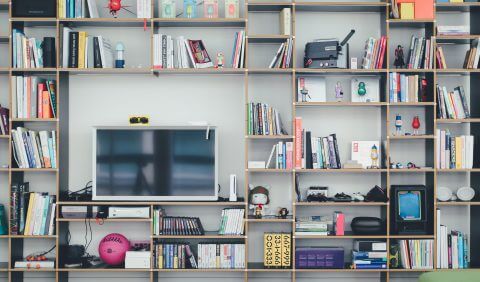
128	212
311	89
256	164
362	150
137	259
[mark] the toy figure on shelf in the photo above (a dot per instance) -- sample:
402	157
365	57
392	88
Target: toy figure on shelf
220	59
399	58
338	91
415	125
398	125
374	157
258	198
115	6
120	58
190	9
283	212
362	90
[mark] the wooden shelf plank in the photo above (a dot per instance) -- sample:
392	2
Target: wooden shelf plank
342	6
105	219
202	270
340	104
457	203
104	270
206	236
34	169
274	137
466	120
295	236
458	170
106	203
268	170
411	104
342	170
267	38
410	170
35	119
411	137
33	236
200	22
258	6
341	71
358	204
200	71
107	70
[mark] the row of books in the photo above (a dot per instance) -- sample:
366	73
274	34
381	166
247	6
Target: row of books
263	120
369	260
416	254
32	149
407	88
88	8
79	50
33	97
227	256
173	256
374	53
4	121
283	57
231	222
315	152
420	53
32	52
440	57
472	57
453	29
277	250
171	225
282	155
453	104
452	247
170	53
312	225
31	213
454	152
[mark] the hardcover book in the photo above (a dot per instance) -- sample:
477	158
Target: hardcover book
168	9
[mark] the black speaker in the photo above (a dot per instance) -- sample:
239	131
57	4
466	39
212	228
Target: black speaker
393	256
34	8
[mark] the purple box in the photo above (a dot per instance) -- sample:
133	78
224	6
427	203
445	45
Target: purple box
319	257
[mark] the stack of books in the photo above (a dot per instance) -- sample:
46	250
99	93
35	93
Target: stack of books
315	152
281	155
369	260
31	213
472	57
26	52
33	97
451	30
283	57
277	250
312	225
231	222
88	8
421	53
4	121
374	53
453	104
452	247
181	226
454	152
416	254
407	88
173	256
263	119
79	50
227	256
178	53
32	149
440	57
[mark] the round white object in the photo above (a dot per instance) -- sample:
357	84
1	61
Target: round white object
444	194
465	193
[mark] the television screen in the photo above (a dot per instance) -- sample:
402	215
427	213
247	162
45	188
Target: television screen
409	205
151	164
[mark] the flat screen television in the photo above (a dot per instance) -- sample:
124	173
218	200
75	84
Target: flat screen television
172	163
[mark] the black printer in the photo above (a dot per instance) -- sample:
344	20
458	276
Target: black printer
327	53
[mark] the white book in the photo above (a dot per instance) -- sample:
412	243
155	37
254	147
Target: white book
437	148
54	145
18	152
36	154
285	21
65	48
242	53
51	228
44	141
439	243
35	264
276	57
22	145
169	52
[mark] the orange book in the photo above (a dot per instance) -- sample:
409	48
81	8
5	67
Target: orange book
40	89
424	9
298	142
46	109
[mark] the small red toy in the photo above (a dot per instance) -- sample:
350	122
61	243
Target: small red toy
115	6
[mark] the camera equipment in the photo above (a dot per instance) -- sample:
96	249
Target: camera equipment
327	53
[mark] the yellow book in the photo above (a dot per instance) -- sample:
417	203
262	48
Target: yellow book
286	250
268	249
277	250
456	1
61	9
28	219
407	11
160	256
458	152
82	35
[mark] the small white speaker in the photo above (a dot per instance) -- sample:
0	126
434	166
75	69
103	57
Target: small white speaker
233	188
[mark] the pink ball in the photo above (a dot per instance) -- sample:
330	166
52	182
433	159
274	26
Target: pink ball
112	248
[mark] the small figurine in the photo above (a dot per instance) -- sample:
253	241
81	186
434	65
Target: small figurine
398	125
303	90
374	157
114	6
338	91
283	212
120	60
258	198
189	9
362	90
220	59
415	125
399	58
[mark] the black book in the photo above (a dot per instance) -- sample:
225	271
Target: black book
73	48
308	153
337	155
49	53
14	202
23	205
97	59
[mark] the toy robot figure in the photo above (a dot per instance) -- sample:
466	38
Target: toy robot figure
374	157
399	57
398	125
338	91
415	125
115	6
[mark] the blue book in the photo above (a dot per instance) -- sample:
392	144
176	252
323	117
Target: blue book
71	6
234	47
371	266
460	251
51	153
46	205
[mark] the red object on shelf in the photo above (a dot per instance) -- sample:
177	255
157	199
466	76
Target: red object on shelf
424	9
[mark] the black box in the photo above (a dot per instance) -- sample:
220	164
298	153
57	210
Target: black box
34	8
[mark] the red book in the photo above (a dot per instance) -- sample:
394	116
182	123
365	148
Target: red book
47	110
298	142
382	52
40	88
340	224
